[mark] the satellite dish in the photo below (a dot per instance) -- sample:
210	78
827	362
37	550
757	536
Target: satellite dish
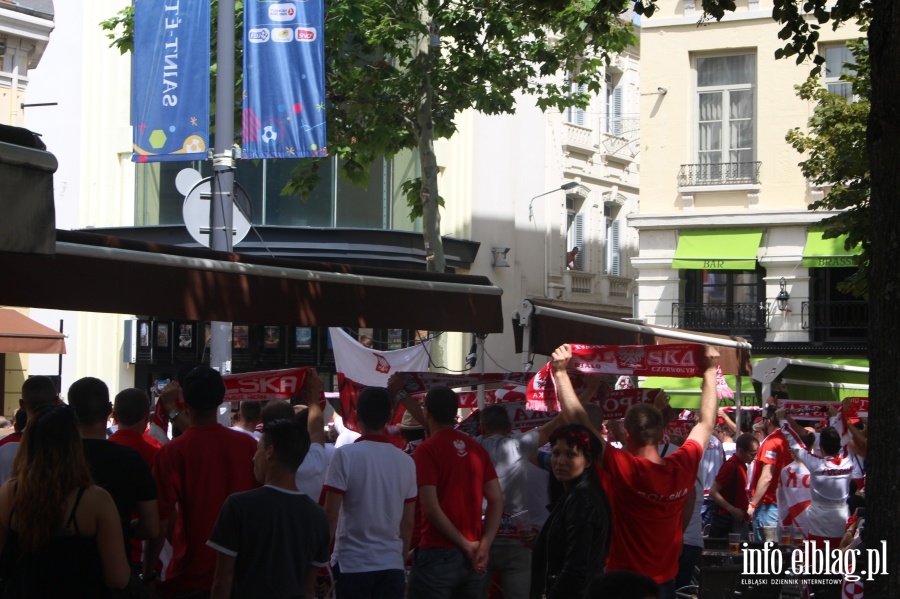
196	212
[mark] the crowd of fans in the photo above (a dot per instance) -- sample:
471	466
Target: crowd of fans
269	507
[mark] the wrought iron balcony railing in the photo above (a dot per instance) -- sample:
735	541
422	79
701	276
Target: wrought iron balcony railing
827	320
725	318
724	173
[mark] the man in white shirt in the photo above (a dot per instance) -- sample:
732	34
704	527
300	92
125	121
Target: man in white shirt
370	494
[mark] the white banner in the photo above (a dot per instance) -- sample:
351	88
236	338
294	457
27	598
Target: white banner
372	367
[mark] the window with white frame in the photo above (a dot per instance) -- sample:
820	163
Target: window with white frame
836	59
726	127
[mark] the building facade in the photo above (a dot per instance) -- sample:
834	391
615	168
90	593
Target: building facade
727	242
498	220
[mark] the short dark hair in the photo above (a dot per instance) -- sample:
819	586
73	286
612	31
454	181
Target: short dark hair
250	410
374	407
495	419
203	389
89	397
277	409
621	584
20	420
830	440
644	423
746	442
442	404
131	406
290	440
38	392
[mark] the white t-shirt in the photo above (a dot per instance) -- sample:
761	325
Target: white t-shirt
510	455
256	435
793	496
376	480
311	474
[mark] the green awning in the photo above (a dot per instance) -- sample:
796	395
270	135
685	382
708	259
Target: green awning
817	379
684	393
717	250
828	253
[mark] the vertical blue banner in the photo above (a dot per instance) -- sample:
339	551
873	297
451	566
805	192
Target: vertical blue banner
170	80
284	79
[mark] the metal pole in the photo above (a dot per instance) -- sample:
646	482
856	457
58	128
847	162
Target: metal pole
221	206
479	345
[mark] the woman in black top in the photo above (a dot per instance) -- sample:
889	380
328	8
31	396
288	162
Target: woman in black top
572	546
60	534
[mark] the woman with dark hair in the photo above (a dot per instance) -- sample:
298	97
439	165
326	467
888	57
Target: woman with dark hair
574	541
60	535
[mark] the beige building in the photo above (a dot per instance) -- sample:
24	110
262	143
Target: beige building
724	227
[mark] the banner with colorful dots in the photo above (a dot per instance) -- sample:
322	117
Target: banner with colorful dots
284	79
170	80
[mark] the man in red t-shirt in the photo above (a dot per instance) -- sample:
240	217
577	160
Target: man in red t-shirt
454	474
198	471
729	490
774	454
647	492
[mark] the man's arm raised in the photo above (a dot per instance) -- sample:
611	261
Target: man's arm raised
708	399
571	408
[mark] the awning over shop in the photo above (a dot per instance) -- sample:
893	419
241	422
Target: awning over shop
828	253
717	249
814	381
540	329
98	273
21	335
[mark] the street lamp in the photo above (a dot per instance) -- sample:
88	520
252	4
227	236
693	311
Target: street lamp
783	296
564	186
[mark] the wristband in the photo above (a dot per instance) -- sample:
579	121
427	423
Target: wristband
753	505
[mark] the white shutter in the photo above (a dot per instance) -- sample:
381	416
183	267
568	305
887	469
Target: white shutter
576	115
579	227
614	245
615	117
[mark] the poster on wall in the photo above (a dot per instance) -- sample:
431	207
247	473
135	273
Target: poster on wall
303	338
240	337
186	336
162	335
271	337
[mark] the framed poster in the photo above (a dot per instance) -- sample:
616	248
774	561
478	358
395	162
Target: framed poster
302	338
240	336
145	334
395	338
271	337
186	336
162	335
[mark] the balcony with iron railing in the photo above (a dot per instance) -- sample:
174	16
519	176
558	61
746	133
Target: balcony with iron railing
746	320
719	174
836	320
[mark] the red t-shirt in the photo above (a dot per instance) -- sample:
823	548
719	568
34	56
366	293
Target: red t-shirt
647	501
774	450
198	471
458	467
14	437
732	479
144	444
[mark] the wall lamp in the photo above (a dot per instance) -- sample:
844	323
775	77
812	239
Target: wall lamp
499	257
662	91
564	186
781	300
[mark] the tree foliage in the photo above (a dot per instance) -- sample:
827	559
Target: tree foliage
398	72
836	158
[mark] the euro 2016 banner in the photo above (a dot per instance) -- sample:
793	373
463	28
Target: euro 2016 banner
284	79
170	74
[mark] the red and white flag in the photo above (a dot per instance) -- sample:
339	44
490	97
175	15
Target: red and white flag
372	367
676	360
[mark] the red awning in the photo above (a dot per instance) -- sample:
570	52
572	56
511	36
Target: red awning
21	335
99	273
